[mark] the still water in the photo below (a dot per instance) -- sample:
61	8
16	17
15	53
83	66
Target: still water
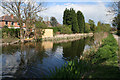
35	59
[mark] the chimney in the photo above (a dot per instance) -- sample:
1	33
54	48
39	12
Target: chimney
11	16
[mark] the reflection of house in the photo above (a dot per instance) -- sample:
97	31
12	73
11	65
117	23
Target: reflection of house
10	21
47	45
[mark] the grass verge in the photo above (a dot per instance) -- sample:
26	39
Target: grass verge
100	64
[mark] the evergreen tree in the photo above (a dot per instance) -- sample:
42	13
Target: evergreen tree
87	28
81	22
75	28
65	17
53	21
92	25
70	18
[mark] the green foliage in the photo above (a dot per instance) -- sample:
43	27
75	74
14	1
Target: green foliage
92	25
116	23
65	29
107	52
10	32
0	33
40	25
101	62
73	69
87	28
53	21
70	18
67	17
101	27
81	22
75	28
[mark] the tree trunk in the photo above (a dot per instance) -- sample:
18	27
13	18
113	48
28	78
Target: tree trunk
35	34
21	35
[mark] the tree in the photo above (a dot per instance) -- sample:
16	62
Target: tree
102	27
116	23
24	12
115	9
99	27
67	17
70	18
87	28
92	25
53	21
81	22
75	28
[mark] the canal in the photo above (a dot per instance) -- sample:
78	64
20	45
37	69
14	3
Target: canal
35	59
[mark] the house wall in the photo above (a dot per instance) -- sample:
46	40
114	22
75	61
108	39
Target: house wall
47	33
2	24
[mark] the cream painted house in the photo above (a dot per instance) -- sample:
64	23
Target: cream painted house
47	33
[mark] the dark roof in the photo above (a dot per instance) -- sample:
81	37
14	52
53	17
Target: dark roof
7	18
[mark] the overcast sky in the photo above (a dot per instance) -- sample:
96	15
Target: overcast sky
96	11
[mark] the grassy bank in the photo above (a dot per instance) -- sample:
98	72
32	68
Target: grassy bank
100	64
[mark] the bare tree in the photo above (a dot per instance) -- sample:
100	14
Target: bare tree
25	11
113	8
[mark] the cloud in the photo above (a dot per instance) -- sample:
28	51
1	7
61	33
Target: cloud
97	12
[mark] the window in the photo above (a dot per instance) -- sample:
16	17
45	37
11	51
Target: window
12	23
6	23
18	24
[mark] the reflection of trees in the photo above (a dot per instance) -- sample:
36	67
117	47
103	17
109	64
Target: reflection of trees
55	46
73	49
11	49
89	41
30	54
76	48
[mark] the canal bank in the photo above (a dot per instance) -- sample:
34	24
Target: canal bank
100	64
118	41
57	38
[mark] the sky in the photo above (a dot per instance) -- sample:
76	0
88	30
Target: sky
91	9
96	11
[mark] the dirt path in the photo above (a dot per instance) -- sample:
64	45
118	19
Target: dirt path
118	41
116	37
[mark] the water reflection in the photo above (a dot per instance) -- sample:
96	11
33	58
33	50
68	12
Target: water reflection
34	59
73	49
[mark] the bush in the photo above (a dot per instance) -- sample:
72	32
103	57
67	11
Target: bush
65	29
62	29
10	32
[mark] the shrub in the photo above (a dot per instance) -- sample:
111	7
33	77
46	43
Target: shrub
10	32
65	29
62	29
